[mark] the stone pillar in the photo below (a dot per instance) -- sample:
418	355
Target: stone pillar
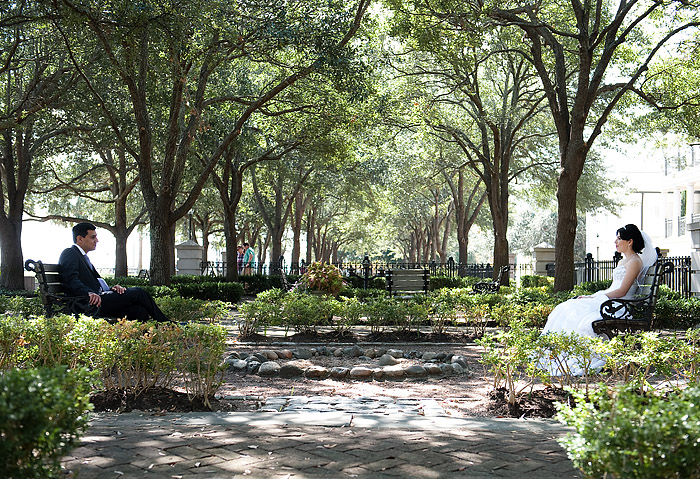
542	255
189	257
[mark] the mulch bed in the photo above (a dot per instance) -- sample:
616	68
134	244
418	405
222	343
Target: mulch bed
539	403
155	399
383	337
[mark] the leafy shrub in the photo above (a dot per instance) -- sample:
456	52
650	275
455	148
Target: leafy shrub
542	294
532	314
20	305
199	360
42	413
442	309
440	282
590	287
181	309
324	277
676	313
265	310
223	291
623	434
362	294
129	354
305	312
128	281
535	281
359	283
512	357
385	312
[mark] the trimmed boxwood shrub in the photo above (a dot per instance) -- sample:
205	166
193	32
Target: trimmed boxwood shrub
222	291
42	414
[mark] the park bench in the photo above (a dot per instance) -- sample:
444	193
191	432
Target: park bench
491	287
637	314
51	291
407	282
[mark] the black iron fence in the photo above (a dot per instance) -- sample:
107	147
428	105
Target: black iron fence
587	270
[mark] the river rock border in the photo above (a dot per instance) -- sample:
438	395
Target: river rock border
271	363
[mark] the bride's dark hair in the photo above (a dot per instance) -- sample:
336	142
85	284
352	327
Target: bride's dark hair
631	232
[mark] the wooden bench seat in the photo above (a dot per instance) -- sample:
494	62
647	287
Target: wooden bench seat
406	282
51	291
637	314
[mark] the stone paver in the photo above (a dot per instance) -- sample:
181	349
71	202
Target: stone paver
320	437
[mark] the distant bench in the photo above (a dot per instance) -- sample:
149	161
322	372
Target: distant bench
407	281
491	287
51	292
637	314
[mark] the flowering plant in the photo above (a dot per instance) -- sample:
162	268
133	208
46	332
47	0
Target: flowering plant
323	277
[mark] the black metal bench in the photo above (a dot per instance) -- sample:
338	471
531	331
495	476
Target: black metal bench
637	314
491	287
51	291
407	281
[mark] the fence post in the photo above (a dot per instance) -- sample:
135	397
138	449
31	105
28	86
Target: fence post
588	268
366	270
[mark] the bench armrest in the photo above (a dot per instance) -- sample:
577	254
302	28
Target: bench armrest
616	308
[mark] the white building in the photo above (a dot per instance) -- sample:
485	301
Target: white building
661	196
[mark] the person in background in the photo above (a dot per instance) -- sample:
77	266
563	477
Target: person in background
248	259
240	250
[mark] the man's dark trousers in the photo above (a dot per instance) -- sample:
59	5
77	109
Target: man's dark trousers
134	303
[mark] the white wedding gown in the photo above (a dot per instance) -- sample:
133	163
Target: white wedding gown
576	316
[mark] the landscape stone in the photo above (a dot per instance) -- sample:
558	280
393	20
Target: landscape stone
387	360
233	355
290	370
361	372
429	356
261	357
317	372
285	353
458	369
397	353
237	364
432	369
270	355
252	367
394	372
269	368
303	353
461	360
353	351
416	371
339	372
371	353
337	352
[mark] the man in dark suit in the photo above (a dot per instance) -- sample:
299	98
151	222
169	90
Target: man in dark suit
80	278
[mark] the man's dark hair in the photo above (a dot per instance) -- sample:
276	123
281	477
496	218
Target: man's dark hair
81	229
246	244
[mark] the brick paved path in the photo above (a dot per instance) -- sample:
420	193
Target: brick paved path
317	444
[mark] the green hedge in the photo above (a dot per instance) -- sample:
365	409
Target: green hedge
42	414
622	434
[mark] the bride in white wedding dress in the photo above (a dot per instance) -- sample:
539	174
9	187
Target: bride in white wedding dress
577	314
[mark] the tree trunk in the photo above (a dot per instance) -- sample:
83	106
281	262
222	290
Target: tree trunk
162	257
566	234
12	274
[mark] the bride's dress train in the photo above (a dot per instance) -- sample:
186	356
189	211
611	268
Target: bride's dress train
576	316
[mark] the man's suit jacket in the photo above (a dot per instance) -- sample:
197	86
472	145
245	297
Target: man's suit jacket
78	277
